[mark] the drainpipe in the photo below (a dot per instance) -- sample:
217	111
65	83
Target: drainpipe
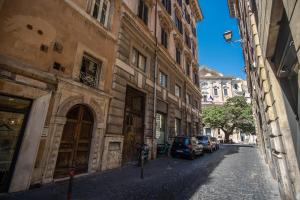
155	75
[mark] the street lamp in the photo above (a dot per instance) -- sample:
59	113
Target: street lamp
228	37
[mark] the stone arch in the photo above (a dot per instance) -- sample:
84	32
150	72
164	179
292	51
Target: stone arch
57	130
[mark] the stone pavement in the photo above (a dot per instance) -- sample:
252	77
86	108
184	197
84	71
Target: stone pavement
233	172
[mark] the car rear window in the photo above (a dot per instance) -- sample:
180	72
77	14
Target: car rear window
202	138
181	140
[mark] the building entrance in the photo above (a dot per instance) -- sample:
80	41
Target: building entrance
133	124
13	116
75	142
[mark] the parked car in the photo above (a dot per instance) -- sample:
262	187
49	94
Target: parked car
186	146
216	141
207	142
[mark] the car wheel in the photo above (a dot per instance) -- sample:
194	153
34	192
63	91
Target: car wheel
192	156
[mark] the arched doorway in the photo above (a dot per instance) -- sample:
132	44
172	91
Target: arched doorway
75	142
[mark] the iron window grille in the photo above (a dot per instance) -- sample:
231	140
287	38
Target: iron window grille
90	71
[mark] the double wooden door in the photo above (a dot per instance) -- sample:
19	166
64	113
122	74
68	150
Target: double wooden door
75	143
133	124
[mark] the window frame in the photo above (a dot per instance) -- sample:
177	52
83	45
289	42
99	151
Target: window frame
143	11
164	37
138	55
96	78
163	82
100	11
179	90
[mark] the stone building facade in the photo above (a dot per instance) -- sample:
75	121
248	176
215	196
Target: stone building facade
270	38
56	64
155	86
216	89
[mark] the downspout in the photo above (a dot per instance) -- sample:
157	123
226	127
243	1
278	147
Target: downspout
155	78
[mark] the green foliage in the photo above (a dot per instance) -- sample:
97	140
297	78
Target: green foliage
235	113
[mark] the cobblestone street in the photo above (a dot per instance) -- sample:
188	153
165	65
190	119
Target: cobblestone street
233	172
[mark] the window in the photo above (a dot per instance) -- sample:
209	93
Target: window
235	86
163	78
189	129
138	60
164	38
178	24
188	99
193	29
100	11
167	5
205	98
177	90
187	68
196	78
196	104
179	2
90	71
225	92
177	126
187	16
143	11
178	56
187	40
215	91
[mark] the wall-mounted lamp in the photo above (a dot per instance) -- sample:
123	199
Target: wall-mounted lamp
228	37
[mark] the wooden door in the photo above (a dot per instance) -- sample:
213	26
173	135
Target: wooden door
133	124
75	143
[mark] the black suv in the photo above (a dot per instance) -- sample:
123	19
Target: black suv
186	146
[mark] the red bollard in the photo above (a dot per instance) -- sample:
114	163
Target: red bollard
71	174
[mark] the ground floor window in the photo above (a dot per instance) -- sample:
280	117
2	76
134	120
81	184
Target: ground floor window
13	114
207	131
160	128
177	126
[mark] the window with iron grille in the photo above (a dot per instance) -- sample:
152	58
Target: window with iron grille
90	71
138	60
143	11
178	24
100	11
178	56
163	79
167	5
164	38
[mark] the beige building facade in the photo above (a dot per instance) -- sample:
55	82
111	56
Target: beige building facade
56	61
270	39
83	81
216	89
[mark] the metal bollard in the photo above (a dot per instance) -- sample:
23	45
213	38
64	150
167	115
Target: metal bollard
142	161
71	174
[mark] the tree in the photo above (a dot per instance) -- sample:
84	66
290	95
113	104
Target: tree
235	113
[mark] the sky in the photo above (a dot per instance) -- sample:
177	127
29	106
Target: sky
213	51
